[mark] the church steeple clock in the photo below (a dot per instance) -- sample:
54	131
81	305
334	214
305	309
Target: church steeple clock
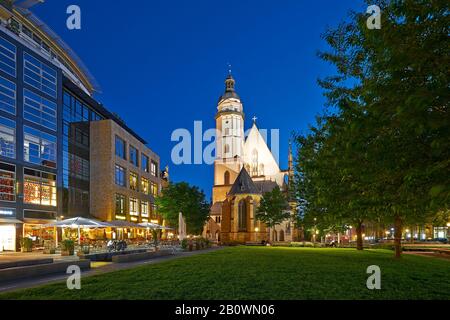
230	123
230	139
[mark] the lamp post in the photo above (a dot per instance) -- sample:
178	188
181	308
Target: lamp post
315	232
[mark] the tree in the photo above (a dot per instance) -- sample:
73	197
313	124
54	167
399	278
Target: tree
383	152
273	208
181	197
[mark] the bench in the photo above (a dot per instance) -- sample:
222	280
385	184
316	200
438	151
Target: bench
24	263
141	256
17	273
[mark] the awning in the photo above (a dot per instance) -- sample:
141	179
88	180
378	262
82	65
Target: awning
123	224
10	221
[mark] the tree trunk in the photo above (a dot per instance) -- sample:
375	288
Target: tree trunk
398	236
359	238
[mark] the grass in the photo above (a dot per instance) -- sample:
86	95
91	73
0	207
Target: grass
264	273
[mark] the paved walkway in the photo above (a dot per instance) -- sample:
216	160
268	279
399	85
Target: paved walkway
96	268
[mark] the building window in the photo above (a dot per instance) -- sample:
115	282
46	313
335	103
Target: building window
39	147
134	207
120	176
120	148
7	57
7	182
154	189
7	95
134	181
39	110
226	178
226	150
144	209
134	156
120	204
79	167
7	138
145	185
39	75
154	168
145	163
39	187
242	216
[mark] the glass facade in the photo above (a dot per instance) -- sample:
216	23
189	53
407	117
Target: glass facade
7	138
39	110
7	95
39	187
7	182
39	75
39	147
8	57
76	164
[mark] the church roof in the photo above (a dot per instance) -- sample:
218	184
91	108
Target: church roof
265	186
244	184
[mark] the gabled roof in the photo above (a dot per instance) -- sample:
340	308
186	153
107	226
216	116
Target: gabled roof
244	184
265	186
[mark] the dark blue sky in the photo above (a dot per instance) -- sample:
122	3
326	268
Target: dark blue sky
161	64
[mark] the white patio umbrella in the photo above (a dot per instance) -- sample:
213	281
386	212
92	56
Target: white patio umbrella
77	223
181	227
122	224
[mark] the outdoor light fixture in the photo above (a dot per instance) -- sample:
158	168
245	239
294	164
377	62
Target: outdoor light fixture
256	229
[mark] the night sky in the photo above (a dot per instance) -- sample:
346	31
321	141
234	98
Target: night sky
161	64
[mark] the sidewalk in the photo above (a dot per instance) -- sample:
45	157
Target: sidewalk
96	269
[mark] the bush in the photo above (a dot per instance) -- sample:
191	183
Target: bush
67	247
231	243
302	244
26	244
184	244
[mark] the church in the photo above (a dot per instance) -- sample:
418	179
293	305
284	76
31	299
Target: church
244	169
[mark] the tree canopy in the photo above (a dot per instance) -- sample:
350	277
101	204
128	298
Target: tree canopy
189	200
273	208
381	150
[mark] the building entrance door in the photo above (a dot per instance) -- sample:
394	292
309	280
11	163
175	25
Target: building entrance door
7	238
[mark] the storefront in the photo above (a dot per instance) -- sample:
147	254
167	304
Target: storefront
8	229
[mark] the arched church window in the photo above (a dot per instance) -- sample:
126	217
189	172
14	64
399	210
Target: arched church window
261	169
226	178
226	149
254	162
242	215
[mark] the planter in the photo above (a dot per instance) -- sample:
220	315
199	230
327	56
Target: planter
23	250
66	253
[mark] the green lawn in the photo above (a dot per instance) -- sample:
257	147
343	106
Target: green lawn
265	273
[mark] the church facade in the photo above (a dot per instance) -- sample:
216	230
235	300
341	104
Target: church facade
244	170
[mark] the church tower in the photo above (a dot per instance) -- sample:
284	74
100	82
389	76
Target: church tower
229	140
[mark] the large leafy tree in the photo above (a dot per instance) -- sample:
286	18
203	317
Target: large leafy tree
189	200
387	140
273	208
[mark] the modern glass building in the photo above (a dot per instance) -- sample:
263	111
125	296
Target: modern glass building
46	108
